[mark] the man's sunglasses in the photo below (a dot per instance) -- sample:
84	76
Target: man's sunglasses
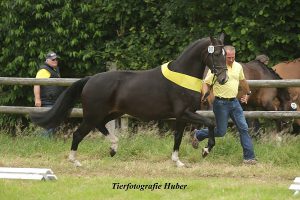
55	59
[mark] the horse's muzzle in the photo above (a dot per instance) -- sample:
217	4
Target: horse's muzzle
223	80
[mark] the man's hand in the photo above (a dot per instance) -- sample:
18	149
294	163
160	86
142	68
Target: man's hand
205	96
245	98
38	103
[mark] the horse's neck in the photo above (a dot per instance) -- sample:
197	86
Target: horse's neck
264	72
192	61
195	69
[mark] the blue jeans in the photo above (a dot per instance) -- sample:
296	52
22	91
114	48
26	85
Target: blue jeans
223	110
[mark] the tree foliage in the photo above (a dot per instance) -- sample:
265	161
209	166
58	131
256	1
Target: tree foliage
135	35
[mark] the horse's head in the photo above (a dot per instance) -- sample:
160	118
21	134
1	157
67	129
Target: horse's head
215	59
287	101
286	104
201	53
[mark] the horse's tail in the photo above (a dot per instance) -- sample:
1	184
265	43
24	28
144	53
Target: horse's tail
62	107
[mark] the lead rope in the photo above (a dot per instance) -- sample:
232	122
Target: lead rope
210	87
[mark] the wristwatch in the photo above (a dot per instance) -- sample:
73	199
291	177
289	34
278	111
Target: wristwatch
249	93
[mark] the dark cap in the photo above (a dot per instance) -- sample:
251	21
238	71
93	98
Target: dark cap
51	55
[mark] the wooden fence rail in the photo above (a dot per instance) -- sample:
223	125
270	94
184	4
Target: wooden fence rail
69	81
35	81
77	112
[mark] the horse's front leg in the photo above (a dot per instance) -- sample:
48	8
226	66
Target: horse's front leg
177	141
195	118
211	142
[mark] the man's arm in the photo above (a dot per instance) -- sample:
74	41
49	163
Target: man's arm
246	89
205	91
42	73
37	96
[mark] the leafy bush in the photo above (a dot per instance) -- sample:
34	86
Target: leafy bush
135	35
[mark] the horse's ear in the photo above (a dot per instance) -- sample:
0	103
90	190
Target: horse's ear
222	36
213	40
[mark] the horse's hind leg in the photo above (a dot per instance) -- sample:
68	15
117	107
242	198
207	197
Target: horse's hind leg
78	136
112	138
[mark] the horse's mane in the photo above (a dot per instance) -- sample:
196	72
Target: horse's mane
272	71
192	45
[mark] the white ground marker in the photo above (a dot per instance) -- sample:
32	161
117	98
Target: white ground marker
27	173
296	186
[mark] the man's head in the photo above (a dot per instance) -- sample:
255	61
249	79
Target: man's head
230	54
51	59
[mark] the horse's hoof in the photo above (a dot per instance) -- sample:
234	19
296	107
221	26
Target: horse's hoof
205	152
76	163
112	152
180	164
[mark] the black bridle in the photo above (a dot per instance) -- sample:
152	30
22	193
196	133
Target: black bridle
214	69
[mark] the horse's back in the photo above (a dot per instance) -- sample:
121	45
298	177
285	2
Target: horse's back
288	70
291	70
119	79
251	71
142	94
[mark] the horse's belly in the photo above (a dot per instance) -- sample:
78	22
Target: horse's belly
147	108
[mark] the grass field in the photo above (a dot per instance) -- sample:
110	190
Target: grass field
144	159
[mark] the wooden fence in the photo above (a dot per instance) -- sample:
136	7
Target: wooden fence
77	112
68	81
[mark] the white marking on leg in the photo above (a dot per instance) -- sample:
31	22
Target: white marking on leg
175	158
114	141
205	152
72	158
205	149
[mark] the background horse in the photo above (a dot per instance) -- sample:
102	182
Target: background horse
269	99
291	70
166	91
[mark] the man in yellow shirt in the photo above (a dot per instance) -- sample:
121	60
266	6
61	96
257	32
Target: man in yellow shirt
227	105
45	96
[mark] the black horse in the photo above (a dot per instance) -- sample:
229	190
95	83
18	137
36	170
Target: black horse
168	91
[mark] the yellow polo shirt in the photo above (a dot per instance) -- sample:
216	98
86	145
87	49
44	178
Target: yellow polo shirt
43	73
230	88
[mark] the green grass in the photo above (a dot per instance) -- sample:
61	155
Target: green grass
101	188
145	159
